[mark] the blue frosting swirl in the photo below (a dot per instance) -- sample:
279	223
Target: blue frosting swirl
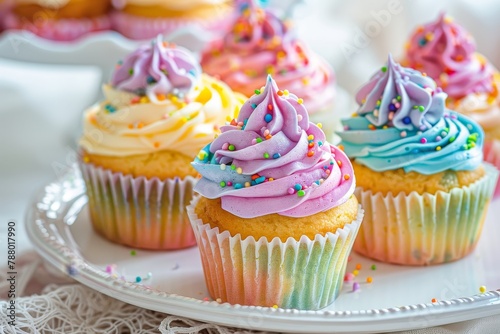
402	123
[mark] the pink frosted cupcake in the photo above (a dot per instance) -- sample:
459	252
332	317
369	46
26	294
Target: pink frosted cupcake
61	20
446	52
144	19
259	44
277	216
137	145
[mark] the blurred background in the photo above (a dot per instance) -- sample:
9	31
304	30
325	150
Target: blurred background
41	105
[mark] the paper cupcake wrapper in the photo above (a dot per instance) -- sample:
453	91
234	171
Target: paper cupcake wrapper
59	30
139	212
491	150
140	28
299	274
424	229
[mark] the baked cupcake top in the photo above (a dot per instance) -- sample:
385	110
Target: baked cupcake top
178	5
158	99
260	44
447	53
402	122
271	159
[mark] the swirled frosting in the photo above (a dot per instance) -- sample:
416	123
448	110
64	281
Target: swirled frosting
447	53
402	122
260	44
178	109
157	68
271	159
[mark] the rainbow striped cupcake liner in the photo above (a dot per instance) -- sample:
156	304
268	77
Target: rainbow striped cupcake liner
139	212
304	274
424	229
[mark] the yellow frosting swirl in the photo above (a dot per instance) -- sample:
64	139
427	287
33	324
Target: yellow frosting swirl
126	124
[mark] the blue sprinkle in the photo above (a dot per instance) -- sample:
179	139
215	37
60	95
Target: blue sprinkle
259	180
317	182
138	279
325	167
320	143
276	155
254	105
253	183
245	121
150	80
192	72
268	118
407	120
120	62
238	186
422	42
392	107
297	187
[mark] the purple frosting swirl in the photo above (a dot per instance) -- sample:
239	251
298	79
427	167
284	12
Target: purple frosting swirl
157	68
273	160
401	97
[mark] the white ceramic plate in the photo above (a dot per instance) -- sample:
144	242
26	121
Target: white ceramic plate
399	297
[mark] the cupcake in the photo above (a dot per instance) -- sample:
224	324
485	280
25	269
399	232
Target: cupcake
60	20
277	217
446	52
421	177
140	19
259	44
137	145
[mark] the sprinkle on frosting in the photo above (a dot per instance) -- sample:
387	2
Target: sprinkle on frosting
156	70
446	52
402	123
300	180
262	44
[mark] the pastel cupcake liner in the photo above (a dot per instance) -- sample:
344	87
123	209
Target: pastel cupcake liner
299	274
139	212
424	229
140	28
491	150
59	30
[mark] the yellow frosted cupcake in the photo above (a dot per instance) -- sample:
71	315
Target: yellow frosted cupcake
421	176
137	144
277	217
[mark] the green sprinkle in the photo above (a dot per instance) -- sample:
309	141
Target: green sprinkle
421	108
384	69
133	252
131	71
452	139
301	193
415	107
378	103
222	184
233	167
266	155
374	267
257	91
231	147
398	98
258	140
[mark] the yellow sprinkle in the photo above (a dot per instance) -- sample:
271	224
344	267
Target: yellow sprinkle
305	81
275	306
202	156
355	272
385	127
286	92
320	125
144	99
184	119
271	179
300	101
482	289
86	159
239	170
448	19
354	114
491	99
310	137
218	300
247	184
438	148
228	118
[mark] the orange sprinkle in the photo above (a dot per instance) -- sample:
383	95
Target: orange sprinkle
339	163
311	145
255	176
434	300
310	153
161	97
280	93
341	147
269	137
347	177
140	125
270	106
358	266
131	126
369	279
156	144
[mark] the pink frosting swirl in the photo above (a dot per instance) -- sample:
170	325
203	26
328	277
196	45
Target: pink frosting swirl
260	44
273	160
157	68
446	52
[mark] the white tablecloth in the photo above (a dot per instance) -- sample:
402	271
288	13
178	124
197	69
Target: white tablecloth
40	107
